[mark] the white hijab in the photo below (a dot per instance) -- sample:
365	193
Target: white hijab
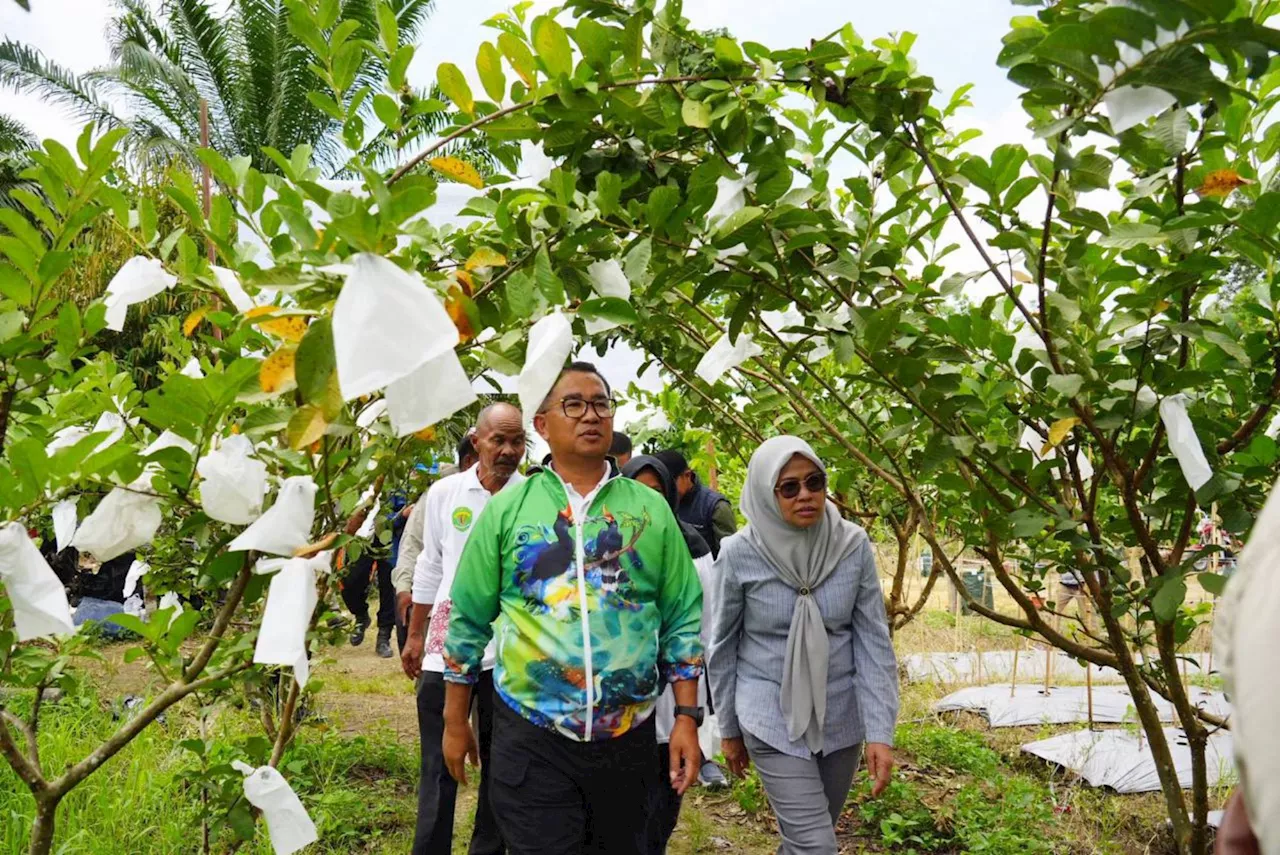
803	559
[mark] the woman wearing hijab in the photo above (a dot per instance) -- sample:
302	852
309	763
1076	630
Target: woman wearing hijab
802	669
664	802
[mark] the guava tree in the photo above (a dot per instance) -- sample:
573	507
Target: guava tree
1029	389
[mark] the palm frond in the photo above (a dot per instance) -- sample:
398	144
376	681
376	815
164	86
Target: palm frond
25	69
15	137
209	57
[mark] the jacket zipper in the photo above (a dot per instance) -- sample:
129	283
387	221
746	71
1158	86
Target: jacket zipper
586	624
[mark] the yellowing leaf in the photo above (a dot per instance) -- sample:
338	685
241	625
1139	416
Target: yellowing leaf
1161	305
486	257
456	305
1059	431
458	170
465	281
1221	183
1022	276
193	320
276	373
306	427
427	434
288	327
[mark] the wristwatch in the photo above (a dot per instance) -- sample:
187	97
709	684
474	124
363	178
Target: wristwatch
695	713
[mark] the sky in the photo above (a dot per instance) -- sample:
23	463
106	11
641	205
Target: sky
957	41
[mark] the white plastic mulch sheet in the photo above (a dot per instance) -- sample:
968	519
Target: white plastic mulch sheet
998	665
1029	705
1114	759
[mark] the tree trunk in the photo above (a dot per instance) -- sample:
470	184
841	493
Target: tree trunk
42	826
1199	791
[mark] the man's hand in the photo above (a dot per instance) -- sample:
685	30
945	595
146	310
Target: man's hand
411	656
686	756
459	747
406	511
735	755
879	766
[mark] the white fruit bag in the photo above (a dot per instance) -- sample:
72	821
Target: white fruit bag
139	279
1183	441
391	323
124	520
234	483
39	602
291	598
550	343
288	824
137	570
230	284
725	355
434	392
64	523
607	280
286	526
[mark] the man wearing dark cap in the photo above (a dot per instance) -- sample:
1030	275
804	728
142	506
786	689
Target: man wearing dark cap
700	506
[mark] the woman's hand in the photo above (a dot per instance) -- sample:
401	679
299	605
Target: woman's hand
735	755
879	766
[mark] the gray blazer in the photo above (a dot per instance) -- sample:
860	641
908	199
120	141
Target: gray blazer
751	621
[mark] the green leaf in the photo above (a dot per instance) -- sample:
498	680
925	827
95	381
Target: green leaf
520	57
518	126
1171	129
663	199
454	85
608	190
614	309
595	41
1028	522
696	114
1066	385
387	111
522	298
545	278
728	54
1214	583
551	43
736	221
489	66
14	285
315	360
633	41
1130	235
11	324
388	28
1169	598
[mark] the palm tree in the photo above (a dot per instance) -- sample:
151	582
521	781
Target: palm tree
245	63
15	142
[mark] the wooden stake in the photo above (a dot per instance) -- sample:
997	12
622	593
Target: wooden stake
1088	666
713	475
206	176
1013	681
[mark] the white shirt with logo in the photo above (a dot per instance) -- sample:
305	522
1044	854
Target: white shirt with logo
453	505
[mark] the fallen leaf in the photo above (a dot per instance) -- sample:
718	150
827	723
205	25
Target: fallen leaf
193	320
1059	431
458	170
427	434
276	373
1221	183
486	257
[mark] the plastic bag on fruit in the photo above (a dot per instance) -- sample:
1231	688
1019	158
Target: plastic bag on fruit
234	483
39	601
126	519
550	343
138	279
387	324
286	525
288	824
291	598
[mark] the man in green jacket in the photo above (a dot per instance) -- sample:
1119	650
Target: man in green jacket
600	607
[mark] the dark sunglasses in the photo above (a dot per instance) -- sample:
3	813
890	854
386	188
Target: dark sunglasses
789	489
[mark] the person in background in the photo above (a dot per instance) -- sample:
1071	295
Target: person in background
600	608
356	576
411	541
802	668
700	506
664	803
452	506
620	449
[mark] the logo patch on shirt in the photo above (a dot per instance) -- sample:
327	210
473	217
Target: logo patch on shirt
462	518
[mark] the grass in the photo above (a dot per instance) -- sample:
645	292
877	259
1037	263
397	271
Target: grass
959	787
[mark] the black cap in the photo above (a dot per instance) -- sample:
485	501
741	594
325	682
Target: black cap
674	461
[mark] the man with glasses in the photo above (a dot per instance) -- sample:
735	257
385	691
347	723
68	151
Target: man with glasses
600	608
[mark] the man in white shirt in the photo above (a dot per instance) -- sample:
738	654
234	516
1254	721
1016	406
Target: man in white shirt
452	505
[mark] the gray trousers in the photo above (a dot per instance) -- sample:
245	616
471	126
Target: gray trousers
807	794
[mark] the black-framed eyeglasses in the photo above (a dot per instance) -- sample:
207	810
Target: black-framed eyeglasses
815	483
576	408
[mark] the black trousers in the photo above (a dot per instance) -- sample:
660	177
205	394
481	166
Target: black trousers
555	796
355	590
437	791
664	805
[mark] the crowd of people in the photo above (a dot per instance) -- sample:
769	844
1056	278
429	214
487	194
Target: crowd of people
583	629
